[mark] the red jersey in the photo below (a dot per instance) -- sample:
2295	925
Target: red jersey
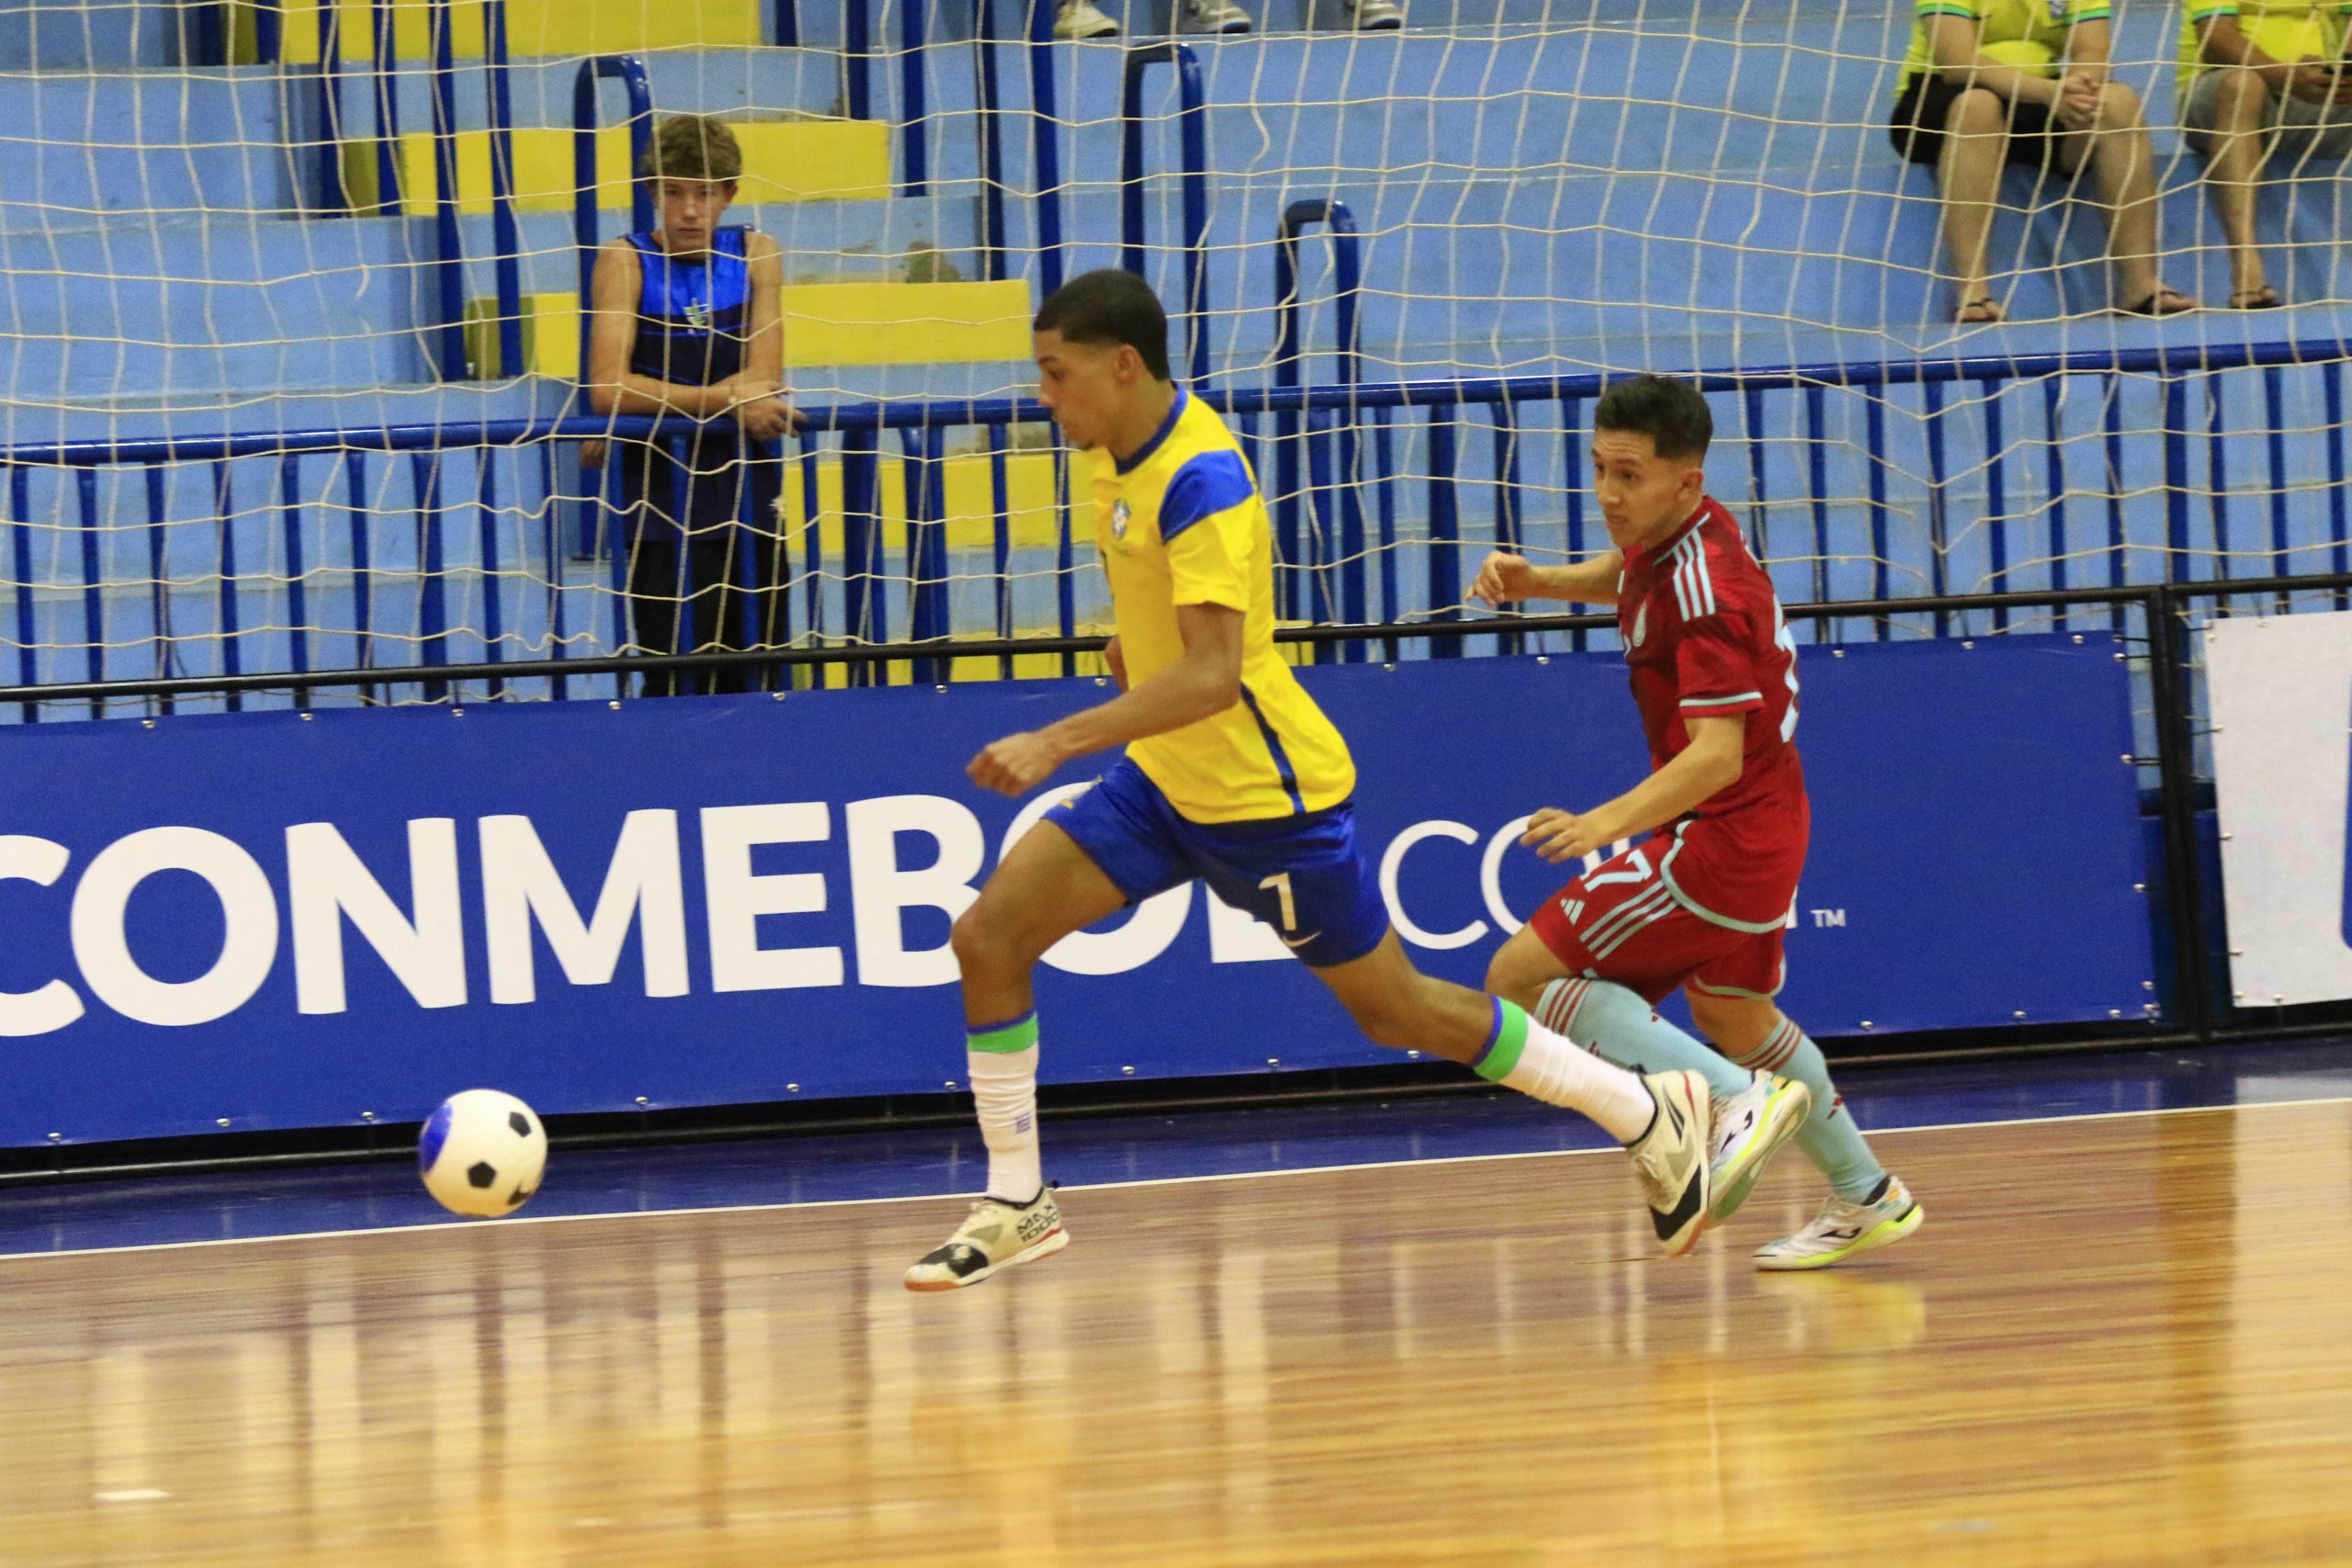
1703	635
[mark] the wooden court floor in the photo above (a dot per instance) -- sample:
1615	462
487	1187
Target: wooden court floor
2122	1341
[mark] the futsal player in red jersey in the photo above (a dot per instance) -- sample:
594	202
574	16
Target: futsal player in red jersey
1701	903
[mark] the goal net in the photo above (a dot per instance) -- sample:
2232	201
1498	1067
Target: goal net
293	346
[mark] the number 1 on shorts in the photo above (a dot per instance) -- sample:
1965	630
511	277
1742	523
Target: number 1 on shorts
1280	882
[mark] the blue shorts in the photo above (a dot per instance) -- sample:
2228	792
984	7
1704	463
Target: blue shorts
1333	912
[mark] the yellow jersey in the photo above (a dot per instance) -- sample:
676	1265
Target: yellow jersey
2283	29
2027	34
1181	523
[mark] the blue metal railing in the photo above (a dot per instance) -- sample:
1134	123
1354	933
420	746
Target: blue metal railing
858	59
334	195
450	266
1327	449
384	76
586	122
914	134
505	233
1045	145
990	95
446	337
1192	121
483	544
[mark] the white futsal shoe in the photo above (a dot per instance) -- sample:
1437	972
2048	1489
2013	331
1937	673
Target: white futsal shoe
1844	1230
995	1235
1375	16
1749	1127
1671	1160
1080	19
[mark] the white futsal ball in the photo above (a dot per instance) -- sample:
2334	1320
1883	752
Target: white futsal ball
481	1152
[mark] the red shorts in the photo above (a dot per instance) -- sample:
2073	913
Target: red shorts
1620	922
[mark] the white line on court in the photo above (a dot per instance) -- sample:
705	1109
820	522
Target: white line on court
460	1227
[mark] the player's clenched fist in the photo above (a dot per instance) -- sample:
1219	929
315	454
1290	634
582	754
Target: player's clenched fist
1559	835
1503	576
1016	764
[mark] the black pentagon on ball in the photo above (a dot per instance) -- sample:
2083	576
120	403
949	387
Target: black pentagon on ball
520	1122
481	1173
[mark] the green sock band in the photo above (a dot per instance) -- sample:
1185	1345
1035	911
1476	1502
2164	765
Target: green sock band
1505	1040
999	1039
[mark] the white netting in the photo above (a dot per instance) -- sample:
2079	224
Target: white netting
217	255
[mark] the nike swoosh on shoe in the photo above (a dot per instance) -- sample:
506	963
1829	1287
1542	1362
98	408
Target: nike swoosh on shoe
1670	1222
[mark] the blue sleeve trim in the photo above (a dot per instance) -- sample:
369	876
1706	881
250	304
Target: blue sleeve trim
1206	485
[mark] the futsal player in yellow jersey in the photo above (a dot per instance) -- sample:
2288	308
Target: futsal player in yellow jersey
1233	775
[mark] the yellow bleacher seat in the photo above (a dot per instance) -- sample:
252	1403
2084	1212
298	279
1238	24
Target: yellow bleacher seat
790	160
905	323
534	27
824	323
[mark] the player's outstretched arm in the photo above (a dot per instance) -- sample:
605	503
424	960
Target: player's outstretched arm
1504	578
1205	681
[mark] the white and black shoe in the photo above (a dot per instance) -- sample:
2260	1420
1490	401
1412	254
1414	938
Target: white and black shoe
1375	16
995	1235
1671	1160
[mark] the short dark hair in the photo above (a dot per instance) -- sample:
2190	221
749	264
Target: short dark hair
1670	413
693	147
1109	306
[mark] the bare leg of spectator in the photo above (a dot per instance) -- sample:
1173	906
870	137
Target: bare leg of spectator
2125	168
1976	139
2232	161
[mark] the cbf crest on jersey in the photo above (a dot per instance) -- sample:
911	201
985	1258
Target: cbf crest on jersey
1119	515
1641	624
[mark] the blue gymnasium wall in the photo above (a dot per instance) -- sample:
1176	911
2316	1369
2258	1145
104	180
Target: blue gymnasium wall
1954	852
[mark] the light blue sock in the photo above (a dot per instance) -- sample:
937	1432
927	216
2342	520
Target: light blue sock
1616	1025
1829	1137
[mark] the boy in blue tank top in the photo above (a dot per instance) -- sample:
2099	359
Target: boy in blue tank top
688	328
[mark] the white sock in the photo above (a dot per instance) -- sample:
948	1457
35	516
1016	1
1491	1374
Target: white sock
1004	1091
1558	1072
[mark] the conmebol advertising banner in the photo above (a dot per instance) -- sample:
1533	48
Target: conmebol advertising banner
267	921
2280	688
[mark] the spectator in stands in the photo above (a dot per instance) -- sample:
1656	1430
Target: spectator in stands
1082	19
1982	84
688	328
2265	87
